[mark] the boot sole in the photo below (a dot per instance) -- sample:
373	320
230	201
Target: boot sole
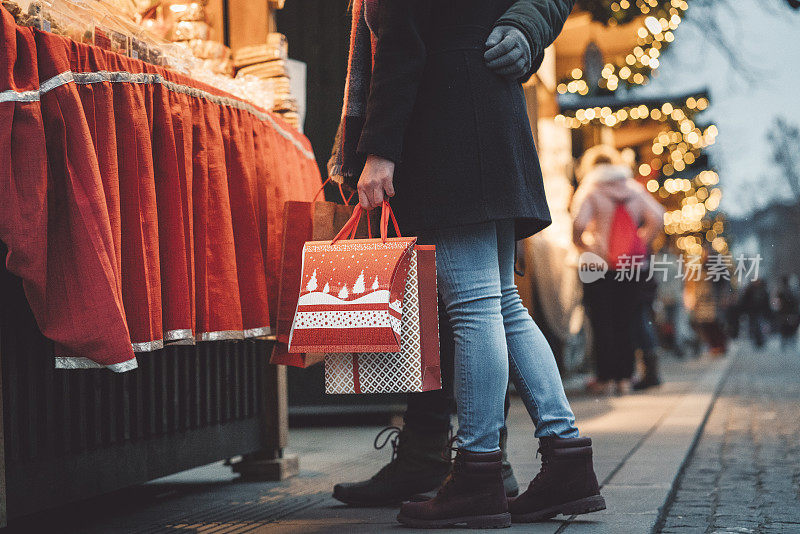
595	503
369	504
396	500
472	522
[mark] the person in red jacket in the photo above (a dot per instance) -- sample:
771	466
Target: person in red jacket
606	193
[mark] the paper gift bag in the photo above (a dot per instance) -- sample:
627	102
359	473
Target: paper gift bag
415	367
302	222
282	356
351	293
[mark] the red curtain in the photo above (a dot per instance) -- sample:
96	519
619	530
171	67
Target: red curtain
138	206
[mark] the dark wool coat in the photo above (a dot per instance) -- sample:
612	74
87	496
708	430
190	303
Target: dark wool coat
458	132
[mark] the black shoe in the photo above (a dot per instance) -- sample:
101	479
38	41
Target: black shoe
510	484
417	466
651	376
646	383
565	485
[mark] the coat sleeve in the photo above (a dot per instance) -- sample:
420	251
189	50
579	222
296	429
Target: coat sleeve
541	21
400	56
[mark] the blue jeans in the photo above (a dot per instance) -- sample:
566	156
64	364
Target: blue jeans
494	334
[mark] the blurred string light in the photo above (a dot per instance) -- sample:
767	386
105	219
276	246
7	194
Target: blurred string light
674	149
660	19
692	218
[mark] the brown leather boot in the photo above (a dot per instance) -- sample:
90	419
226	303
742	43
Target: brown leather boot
565	485
472	496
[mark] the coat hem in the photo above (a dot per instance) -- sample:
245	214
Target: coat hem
525	226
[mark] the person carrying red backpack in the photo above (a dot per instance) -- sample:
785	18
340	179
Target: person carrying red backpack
615	220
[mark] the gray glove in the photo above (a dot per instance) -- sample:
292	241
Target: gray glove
508	52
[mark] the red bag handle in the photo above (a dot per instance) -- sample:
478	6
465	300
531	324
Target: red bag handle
350	227
386	213
341	192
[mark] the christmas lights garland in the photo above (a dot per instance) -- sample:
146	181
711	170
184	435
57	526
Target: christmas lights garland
662	18
692	202
679	145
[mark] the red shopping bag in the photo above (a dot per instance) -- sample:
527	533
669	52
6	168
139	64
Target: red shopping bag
302	222
282	356
351	293
624	242
415	367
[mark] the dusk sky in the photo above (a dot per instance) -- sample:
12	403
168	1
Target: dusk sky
744	106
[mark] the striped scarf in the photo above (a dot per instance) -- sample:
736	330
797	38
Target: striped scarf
346	164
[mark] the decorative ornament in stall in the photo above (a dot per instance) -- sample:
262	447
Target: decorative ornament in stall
267	62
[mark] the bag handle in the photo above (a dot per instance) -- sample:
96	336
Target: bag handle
349	229
341	192
386	213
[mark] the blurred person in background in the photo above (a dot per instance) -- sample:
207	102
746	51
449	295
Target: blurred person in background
702	298
754	304
645	338
787	314
614	217
668	308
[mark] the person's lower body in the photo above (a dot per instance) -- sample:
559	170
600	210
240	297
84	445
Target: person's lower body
645	340
756	328
419	462
494	337
713	333
612	306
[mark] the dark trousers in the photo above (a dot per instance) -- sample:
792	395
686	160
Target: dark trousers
756	327
612	307
713	334
431	410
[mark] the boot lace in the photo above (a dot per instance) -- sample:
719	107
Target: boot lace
390	434
545	464
447	454
450	448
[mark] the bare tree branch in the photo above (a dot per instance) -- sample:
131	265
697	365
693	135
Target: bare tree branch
708	17
785	141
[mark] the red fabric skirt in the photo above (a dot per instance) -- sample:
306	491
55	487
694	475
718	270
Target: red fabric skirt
139	206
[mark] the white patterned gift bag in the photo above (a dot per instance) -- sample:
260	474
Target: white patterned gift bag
416	366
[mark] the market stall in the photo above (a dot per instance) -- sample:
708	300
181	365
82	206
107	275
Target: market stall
141	225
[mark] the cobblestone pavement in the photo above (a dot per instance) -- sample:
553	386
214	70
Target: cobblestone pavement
744	475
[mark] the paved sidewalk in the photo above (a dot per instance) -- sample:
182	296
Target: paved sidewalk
744	475
640	443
